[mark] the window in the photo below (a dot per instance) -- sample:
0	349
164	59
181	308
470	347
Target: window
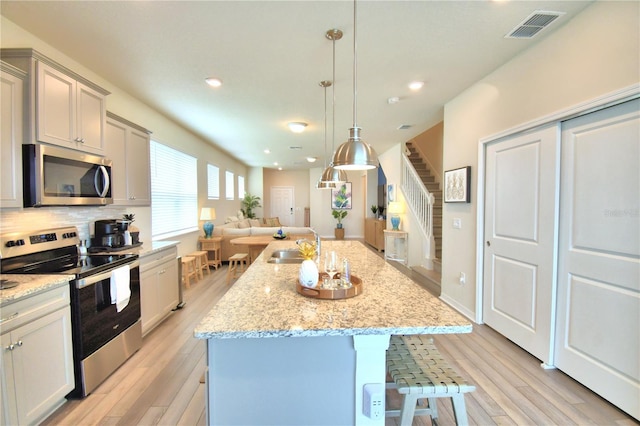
174	191
229	182
213	182
240	187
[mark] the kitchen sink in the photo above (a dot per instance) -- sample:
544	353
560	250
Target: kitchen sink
285	256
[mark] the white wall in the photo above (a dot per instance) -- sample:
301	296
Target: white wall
164	130
596	53
320	203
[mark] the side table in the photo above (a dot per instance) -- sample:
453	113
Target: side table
395	246
212	246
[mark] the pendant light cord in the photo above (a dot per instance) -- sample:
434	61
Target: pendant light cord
325	124
333	101
355	67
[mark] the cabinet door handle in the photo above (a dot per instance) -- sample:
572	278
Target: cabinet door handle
10	347
19	343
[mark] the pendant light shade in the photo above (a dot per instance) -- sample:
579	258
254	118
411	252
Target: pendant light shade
334	176
355	154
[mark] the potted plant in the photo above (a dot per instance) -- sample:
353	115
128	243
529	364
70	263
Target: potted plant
374	209
339	215
249	203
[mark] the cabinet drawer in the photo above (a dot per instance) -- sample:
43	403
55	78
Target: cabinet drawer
16	314
158	258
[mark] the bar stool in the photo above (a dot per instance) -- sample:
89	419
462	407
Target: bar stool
189	269
237	265
202	262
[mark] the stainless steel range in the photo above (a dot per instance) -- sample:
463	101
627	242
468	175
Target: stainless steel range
105	333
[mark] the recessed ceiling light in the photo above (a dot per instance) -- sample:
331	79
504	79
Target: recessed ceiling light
275	163
213	82
393	100
297	126
267	151
416	85
311	159
279	168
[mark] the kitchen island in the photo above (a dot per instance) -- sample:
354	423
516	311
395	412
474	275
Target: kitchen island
277	357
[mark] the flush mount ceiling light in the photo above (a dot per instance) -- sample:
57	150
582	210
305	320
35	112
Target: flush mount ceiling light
320	184
355	154
416	85
332	177
297	126
311	159
213	81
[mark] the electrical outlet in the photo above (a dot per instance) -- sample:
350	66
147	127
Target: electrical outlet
457	223
373	401
463	278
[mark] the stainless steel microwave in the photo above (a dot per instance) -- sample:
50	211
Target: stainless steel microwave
54	176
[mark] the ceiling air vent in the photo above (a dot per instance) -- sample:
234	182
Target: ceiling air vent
295	147
533	24
404	126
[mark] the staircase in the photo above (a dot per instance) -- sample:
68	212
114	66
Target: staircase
430	183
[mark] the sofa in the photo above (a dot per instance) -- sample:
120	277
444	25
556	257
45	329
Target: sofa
247	227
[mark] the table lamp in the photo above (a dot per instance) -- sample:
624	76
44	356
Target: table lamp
208	214
395	209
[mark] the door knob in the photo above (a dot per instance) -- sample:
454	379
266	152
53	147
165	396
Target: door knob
488	243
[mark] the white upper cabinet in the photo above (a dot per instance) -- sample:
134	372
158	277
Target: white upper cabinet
11	98
69	113
127	145
64	108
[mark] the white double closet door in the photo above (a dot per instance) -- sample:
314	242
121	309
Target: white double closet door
562	258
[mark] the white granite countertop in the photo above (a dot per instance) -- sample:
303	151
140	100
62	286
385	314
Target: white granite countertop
30	285
263	302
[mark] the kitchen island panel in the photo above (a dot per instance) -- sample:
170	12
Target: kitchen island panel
282	381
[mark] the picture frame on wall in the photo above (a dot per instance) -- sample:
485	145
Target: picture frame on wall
341	197
457	185
390	193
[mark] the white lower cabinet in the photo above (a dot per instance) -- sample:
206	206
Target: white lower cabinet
159	291
36	370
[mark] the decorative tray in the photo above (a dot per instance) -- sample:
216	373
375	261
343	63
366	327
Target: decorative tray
331	294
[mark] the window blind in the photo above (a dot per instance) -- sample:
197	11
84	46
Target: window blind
174	190
213	182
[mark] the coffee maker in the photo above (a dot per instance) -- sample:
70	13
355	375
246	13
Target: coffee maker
109	233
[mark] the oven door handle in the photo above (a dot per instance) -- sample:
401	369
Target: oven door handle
91	280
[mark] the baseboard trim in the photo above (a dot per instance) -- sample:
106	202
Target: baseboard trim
455	305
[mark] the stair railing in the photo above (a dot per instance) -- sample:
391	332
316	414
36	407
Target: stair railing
420	202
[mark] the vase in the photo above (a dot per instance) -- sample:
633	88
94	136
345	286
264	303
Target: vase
308	274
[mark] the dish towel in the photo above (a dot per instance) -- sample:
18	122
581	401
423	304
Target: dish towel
120	287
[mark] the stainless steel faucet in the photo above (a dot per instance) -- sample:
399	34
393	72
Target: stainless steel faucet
318	246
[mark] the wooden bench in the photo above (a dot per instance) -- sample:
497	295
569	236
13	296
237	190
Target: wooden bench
419	372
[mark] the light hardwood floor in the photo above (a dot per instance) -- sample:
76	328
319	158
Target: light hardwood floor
160	384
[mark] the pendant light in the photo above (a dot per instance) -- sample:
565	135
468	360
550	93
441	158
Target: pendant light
321	184
330	174
355	154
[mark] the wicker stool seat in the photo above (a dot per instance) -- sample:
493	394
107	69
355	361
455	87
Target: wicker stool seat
238	263
419	371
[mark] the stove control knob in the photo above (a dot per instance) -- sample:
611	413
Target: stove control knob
20	242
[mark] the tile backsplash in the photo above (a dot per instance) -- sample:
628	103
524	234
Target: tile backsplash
54	217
